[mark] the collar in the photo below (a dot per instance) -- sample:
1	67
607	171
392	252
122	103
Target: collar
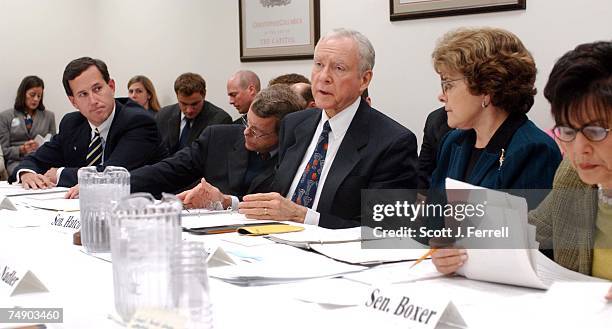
104	128
502	136
340	122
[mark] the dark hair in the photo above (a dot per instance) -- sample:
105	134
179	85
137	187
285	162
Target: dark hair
78	66
581	80
288	79
494	62
189	83
276	101
29	82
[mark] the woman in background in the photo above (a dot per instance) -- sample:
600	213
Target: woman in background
575	219
28	118
141	90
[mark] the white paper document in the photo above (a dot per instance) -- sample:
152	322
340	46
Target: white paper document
317	235
40	140
16	190
351	252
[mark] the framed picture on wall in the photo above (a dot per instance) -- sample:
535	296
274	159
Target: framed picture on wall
273	30
415	9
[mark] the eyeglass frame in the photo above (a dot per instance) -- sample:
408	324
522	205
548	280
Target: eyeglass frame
446	82
580	130
252	132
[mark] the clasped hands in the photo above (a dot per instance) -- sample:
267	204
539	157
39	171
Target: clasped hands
34	181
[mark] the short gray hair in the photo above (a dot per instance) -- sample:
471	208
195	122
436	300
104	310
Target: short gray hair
246	78
366	50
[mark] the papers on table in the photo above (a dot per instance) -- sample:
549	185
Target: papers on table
278	264
7	189
351	252
53	204
317	235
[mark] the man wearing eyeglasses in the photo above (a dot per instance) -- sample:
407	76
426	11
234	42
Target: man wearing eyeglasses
182	123
230	160
329	154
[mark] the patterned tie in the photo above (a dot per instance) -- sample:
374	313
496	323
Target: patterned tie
28	122
94	152
183	139
307	187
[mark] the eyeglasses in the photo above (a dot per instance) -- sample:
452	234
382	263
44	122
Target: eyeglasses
592	133
446	85
251	131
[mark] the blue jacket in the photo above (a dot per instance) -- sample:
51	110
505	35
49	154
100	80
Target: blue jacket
530	157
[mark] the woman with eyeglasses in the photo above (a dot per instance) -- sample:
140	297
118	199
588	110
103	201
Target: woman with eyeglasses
575	219
28	118
142	91
487	79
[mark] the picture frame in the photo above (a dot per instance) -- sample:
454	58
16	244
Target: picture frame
416	9
273	30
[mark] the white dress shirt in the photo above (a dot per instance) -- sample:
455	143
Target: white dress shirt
339	125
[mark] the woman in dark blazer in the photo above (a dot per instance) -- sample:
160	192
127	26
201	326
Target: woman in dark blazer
487	88
28	118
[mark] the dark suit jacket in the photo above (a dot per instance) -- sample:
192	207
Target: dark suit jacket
169	123
218	155
376	153
530	157
240	120
133	141
435	128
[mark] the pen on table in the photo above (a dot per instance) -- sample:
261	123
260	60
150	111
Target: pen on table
422	258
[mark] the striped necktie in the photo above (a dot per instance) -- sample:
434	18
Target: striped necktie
94	152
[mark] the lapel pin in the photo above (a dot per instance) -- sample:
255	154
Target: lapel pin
501	159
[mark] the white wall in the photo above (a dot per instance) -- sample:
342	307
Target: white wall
162	39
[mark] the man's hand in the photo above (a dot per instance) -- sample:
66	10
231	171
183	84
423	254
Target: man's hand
34	181
205	196
448	261
609	295
51	174
73	192
28	147
271	206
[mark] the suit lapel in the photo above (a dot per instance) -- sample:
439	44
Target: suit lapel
174	126
263	176
237	162
460	156
482	167
80	144
295	153
198	123
112	131
347	157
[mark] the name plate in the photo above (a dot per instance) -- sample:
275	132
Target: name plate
411	309
216	256
17	280
65	222
156	319
5	203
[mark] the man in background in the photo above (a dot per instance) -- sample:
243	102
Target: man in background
242	87
182	123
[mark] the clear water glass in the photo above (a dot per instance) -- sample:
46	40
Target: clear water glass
143	233
97	193
190	290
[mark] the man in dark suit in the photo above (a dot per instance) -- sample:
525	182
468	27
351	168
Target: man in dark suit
242	87
436	126
233	160
182	123
328	155
103	131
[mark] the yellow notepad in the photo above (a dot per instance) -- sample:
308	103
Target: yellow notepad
268	229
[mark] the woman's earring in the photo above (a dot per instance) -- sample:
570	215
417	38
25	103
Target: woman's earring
484	105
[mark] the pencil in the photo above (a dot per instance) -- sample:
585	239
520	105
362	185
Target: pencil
422	258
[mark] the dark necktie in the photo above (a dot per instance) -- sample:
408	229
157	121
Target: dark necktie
183	140
307	187
94	151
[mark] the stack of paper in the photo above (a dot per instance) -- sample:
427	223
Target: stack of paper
280	264
317	235
352	252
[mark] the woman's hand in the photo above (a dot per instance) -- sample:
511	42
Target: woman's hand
448	261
